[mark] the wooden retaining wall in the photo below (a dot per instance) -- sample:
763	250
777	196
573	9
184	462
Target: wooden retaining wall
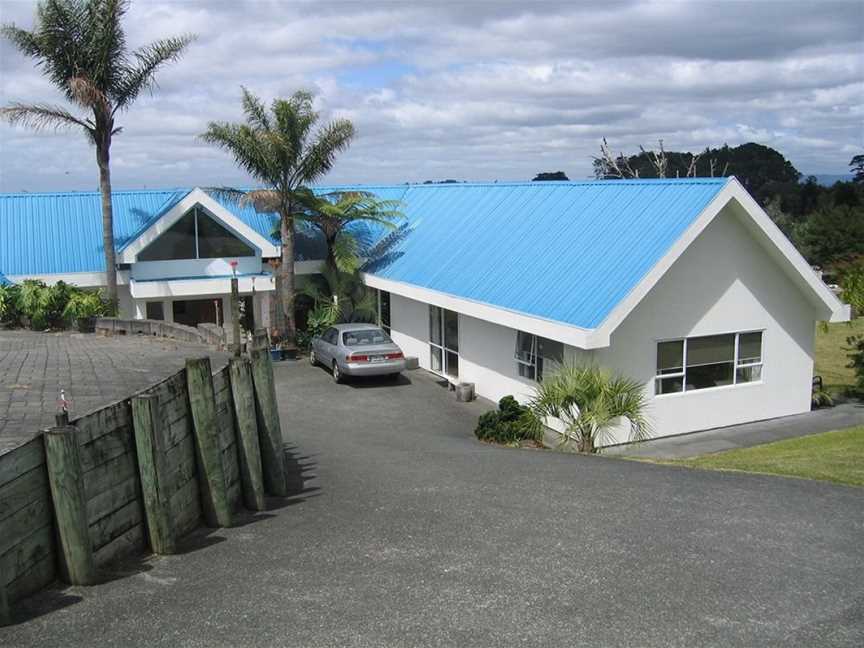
116	517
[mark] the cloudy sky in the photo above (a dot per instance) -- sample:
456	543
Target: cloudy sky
471	90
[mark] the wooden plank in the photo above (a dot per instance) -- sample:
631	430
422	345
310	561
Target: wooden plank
186	505
246	428
177	431
154	474
26	553
116	523
36	578
181	465
129	543
111	499
109	475
5	610
210	469
29	487
23	522
269	427
22	459
103	421
107	447
70	506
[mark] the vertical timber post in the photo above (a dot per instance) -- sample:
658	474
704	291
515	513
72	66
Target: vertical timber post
235	316
70	505
149	446
199	378
251	475
269	429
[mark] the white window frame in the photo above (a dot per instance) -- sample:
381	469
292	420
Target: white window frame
443	348
534	351
735	364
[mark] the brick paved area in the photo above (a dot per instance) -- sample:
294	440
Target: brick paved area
93	370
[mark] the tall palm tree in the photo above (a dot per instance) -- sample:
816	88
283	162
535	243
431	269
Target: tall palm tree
589	400
282	150
81	47
332	213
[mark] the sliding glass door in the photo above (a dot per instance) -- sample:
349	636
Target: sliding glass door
444	341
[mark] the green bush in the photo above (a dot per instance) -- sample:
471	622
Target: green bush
39	306
509	424
856	361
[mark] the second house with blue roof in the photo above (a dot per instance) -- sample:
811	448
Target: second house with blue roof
685	285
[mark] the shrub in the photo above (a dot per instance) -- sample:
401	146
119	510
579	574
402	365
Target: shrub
84	304
40	306
856	361
10	297
509	424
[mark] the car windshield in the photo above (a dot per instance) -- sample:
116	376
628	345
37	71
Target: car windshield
366	337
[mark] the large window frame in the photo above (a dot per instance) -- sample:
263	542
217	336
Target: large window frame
530	355
745	370
444	342
199	242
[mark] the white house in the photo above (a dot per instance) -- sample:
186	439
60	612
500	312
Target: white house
685	285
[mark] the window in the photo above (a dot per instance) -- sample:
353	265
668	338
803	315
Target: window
708	361
196	235
384	310
535	354
366	337
444	341
331	336
155	311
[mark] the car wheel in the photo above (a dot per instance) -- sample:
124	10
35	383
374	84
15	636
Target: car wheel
313	360
337	373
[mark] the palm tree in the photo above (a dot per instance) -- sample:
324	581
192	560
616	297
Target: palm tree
81	47
281	150
332	213
588	400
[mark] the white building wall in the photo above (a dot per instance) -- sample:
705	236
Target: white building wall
723	283
409	323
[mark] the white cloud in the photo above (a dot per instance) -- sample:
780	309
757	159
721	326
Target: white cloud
473	91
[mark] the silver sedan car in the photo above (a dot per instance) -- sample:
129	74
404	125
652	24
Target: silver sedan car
357	350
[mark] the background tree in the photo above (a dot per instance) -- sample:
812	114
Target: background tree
856	165
282	150
550	175
80	46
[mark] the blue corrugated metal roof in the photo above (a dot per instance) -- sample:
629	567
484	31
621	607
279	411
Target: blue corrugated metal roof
565	251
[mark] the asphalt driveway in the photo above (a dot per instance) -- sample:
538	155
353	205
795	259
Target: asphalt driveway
405	531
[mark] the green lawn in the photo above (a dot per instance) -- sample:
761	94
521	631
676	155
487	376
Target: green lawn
832	354
831	456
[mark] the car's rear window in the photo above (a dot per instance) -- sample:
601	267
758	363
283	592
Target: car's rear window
366	337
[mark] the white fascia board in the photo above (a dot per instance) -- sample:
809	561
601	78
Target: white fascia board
197	197
549	329
831	307
197	287
79	279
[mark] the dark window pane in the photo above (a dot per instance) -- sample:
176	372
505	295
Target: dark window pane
155	311
526	371
436	358
710	349
452	364
670	385
216	242
435	325
550	357
670	357
749	348
385	309
451	330
366	337
748	374
709	375
525	347
178	242
193	312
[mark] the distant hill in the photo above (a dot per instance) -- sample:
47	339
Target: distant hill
828	179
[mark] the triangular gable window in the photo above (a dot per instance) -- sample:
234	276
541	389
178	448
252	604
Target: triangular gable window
196	235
